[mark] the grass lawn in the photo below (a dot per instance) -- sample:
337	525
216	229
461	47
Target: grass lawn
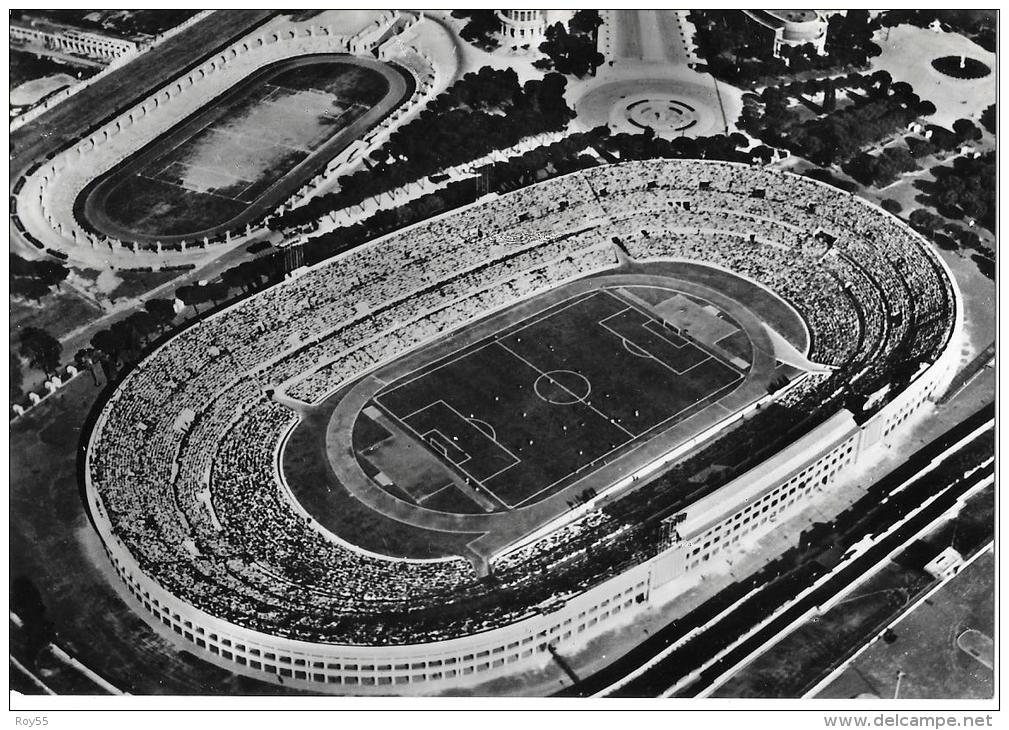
136	283
926	650
794	664
525	411
60	313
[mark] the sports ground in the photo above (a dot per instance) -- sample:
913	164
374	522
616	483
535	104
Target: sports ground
487	434
522	413
246	151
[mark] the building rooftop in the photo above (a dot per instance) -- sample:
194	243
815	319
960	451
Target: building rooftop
794	16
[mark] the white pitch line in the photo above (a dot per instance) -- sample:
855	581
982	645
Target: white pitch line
568	390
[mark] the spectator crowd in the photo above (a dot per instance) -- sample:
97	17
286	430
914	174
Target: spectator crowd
185	455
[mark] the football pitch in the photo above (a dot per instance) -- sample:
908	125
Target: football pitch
245	148
525	412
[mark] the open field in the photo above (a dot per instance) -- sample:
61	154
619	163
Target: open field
59	313
926	648
245	151
798	660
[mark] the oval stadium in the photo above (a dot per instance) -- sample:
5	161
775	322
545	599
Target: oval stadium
439	458
245	152
234	140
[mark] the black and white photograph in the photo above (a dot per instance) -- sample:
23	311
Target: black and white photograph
568	359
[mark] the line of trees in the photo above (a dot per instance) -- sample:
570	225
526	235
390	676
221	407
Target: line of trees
125	340
481	28
989	119
572	50
737	52
965	189
880	170
484	111
952	236
879	107
33	279
40	349
978	25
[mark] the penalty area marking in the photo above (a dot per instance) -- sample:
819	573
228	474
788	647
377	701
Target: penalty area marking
481	483
481	425
636	350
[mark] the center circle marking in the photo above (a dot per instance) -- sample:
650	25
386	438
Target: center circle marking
562	387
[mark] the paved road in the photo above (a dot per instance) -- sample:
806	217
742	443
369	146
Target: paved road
628	34
650	36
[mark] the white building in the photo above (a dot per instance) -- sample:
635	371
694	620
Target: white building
791	28
48	38
526	29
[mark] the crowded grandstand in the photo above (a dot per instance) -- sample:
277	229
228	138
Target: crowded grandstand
183	472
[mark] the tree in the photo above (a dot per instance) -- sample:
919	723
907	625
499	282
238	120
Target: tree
989	119
480	29
16	378
162	310
87	358
849	37
191	295
763	153
966	189
21	266
51	272
216	292
985	265
125	335
104	341
970	239
585	22
924	220
28	288
966	130
236	277
891	206
143	324
571	53
41	349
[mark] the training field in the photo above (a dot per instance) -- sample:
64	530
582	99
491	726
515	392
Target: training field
235	153
528	410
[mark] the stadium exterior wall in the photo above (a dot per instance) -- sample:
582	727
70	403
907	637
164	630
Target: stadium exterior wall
825	454
525	645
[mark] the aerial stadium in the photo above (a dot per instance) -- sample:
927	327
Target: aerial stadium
237	138
442	456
